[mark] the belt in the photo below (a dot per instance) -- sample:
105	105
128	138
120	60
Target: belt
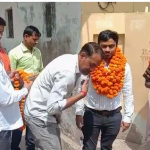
105	112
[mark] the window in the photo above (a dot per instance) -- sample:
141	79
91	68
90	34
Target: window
50	18
9	23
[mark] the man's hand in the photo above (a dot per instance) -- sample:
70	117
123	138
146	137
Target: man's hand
58	118
27	85
12	74
15	74
85	85
79	121
125	126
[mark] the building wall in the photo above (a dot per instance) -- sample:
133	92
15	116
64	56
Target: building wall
65	39
118	7
132	27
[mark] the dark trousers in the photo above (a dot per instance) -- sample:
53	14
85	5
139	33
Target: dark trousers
5	140
16	139
94	123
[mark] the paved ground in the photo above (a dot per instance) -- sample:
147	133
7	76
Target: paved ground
118	145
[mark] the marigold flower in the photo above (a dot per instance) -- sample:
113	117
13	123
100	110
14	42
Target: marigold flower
24	76
110	81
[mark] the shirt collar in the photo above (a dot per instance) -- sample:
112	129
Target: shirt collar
24	48
77	64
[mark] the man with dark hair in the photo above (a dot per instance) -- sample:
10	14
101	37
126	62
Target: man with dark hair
2	22
2	25
100	111
3	55
29	30
28	58
52	90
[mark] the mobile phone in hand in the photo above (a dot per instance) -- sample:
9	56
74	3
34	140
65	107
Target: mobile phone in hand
82	82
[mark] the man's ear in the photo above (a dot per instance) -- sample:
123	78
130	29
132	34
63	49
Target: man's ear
25	36
83	55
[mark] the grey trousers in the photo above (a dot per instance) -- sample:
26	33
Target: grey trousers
46	136
5	140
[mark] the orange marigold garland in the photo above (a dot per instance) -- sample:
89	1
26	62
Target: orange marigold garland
24	76
110	81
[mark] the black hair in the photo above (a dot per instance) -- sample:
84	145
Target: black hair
108	34
90	48
29	30
2	22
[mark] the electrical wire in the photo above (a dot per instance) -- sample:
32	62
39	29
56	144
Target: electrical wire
104	8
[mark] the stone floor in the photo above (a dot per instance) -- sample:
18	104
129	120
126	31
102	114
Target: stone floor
118	145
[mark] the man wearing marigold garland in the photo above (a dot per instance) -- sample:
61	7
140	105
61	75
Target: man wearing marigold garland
28	58
100	110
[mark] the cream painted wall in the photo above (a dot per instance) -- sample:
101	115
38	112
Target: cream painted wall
119	7
133	29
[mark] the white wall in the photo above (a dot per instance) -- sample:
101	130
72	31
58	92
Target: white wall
66	38
21	18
